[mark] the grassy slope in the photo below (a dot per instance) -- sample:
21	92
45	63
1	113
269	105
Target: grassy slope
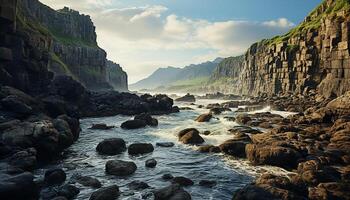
313	23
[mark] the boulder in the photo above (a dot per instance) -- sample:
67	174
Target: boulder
243	119
111	146
172	192
186	98
151	163
209	149
165	144
120	168
55	177
190	136
234	148
133	124
147	118
140	148
101	127
204	117
167	176
68	191
88	181
107	193
18	187
272	155
138	185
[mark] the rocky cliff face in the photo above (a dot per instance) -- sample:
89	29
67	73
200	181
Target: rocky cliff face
74	50
116	77
314	55
225	75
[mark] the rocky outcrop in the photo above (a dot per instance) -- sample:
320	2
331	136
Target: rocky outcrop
73	49
116	77
314	55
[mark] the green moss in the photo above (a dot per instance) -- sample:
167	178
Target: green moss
67	40
313	23
191	82
292	48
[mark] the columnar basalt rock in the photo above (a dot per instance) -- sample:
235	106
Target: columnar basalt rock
314	55
73	50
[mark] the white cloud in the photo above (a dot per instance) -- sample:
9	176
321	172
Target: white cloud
147	37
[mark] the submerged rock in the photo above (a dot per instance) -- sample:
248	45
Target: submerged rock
138	185
147	118
88	181
120	168
165	144
183	181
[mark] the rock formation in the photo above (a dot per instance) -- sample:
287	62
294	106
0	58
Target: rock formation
116	77
73	49
314	55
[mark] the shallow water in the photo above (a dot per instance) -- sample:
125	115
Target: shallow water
180	160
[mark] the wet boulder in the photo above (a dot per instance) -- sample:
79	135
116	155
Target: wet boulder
138	185
165	144
234	147
204	117
15	104
18	187
140	148
88	181
111	146
150	121
151	163
171	192
55	177
107	193
190	136
133	124
120	168
25	159
101	127
68	191
243	119
187	98
209	149
272	155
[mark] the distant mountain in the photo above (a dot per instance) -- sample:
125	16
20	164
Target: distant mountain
163	77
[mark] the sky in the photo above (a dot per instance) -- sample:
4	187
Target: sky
143	35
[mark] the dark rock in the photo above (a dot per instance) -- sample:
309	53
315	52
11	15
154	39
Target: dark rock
151	163
147	118
138	185
207	183
186	98
101	127
206	133
190	136
111	146
88	181
167	176
243	119
183	181
25	159
68	191
133	124
165	144
140	148
209	149
107	193
120	168
18	187
234	148
55	176
171	192
204	118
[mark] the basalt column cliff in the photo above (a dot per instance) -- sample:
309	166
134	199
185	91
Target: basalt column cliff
73	47
314	55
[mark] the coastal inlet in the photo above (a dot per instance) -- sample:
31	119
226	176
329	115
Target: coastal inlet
214	176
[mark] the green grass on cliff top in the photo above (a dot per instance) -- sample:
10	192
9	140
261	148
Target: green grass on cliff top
313	23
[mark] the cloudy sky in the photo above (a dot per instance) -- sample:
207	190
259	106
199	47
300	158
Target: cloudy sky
143	35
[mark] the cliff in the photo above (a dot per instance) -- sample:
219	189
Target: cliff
73	50
116	77
314	55
225	75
